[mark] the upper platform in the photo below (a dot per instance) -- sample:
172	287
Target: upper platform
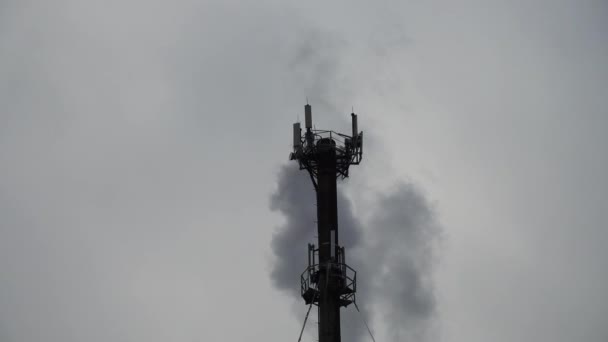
308	146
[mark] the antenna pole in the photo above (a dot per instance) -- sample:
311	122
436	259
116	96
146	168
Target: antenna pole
330	284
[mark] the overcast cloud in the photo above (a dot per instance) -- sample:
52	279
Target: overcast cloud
140	142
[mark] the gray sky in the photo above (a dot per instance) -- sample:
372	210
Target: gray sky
140	142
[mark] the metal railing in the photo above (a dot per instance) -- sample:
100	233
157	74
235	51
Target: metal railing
346	274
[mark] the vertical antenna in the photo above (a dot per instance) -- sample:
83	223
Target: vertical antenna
308	116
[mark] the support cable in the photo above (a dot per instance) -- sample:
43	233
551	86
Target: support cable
364	322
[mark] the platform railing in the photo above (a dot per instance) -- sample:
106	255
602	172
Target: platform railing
348	275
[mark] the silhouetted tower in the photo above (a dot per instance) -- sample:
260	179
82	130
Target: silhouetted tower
328	281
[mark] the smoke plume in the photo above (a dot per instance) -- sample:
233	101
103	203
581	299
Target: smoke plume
399	255
393	254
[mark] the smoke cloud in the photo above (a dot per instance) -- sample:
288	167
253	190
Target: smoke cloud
393	255
399	255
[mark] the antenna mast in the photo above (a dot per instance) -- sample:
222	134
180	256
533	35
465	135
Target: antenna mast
328	282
